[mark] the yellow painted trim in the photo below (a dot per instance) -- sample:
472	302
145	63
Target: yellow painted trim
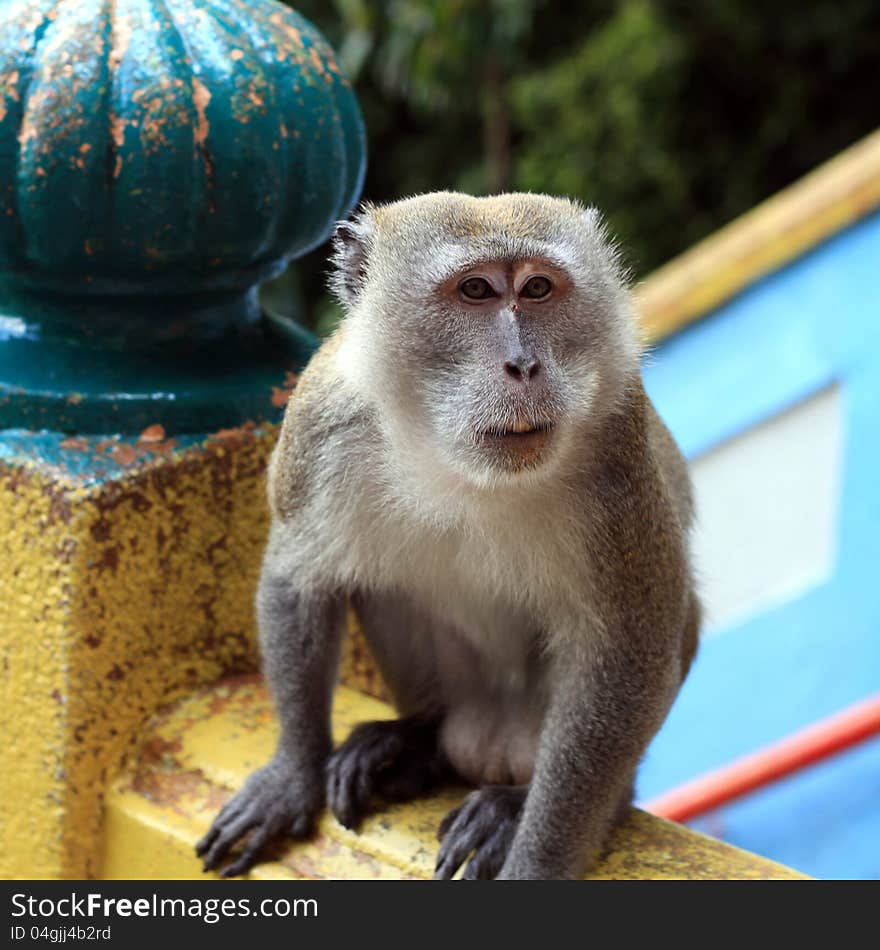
202	749
792	222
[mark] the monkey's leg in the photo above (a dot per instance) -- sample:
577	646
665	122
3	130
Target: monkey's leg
390	761
299	638
485	823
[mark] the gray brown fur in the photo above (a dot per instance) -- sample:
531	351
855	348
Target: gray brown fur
537	609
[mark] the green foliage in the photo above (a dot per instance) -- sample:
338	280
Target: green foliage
600	123
673	117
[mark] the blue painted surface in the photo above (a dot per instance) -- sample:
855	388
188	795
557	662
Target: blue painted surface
814	322
823	821
86	460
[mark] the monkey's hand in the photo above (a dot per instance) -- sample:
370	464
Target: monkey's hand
485	824
276	799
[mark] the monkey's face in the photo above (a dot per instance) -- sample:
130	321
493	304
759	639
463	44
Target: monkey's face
491	330
501	363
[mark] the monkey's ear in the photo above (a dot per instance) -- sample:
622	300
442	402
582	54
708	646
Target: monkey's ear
350	244
606	247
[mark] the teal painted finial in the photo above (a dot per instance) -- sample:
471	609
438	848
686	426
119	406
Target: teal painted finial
159	159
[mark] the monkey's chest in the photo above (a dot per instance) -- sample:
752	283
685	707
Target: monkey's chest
467	613
486	647
493	696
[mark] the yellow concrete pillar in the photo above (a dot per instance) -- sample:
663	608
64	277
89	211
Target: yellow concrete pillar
118	592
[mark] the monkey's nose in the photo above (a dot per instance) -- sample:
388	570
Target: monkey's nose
523	368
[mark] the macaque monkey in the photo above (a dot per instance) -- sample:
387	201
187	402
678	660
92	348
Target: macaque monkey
471	460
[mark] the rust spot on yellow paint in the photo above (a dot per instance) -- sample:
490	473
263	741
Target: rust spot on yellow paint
226	438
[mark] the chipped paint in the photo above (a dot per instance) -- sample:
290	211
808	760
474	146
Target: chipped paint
168	123
119	594
281	394
201	98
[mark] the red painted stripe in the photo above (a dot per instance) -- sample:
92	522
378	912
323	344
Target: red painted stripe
812	744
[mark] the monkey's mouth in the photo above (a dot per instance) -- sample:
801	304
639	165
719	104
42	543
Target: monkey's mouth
520	439
519	430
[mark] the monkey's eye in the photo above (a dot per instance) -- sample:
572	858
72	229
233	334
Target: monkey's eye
536	287
476	288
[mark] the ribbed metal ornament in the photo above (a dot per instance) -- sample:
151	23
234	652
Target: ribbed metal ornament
159	159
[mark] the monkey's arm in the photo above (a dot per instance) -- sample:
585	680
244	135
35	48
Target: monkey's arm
613	685
300	632
602	717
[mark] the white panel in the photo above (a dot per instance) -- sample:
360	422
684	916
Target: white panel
767	510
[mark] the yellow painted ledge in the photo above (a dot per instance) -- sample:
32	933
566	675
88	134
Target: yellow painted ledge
201	749
776	232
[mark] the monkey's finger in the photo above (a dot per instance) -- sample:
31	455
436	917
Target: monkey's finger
461	839
229	812
463	814
456	847
448	821
227	839
251	852
334	782
205	843
302	826
338	799
364	789
489	857
343	794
